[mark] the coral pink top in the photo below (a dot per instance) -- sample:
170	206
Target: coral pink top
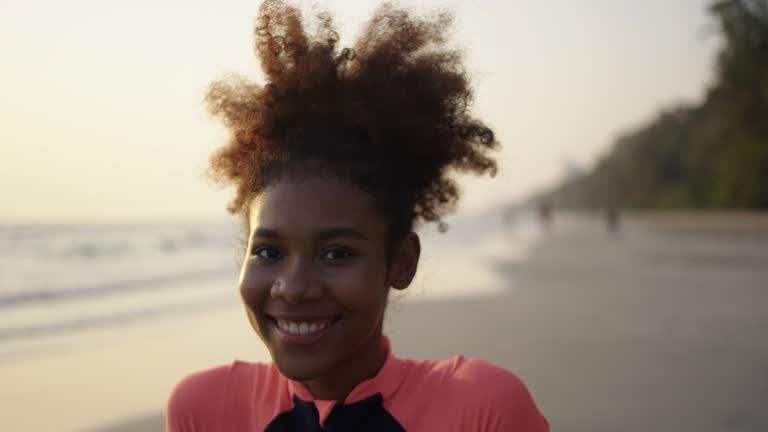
457	394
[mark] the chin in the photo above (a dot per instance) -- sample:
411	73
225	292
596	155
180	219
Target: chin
301	370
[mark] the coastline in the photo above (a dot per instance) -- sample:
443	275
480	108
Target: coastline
656	328
92	380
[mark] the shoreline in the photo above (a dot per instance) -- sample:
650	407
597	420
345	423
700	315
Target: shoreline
93	379
608	332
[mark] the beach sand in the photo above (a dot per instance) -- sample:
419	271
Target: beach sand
659	328
120	372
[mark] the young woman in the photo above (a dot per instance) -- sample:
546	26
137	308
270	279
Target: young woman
334	160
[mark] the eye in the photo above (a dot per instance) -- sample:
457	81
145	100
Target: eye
336	254
267	253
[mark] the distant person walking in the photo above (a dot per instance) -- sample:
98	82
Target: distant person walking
545	215
612	220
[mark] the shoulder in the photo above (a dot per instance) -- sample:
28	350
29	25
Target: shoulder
199	389
474	378
473	373
213	394
489	397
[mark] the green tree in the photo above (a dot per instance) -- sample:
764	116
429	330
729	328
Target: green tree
711	155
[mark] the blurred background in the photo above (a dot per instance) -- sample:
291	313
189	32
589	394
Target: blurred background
618	263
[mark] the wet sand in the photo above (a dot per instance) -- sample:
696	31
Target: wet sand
660	328
117	372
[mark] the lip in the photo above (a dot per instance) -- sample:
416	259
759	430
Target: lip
304	339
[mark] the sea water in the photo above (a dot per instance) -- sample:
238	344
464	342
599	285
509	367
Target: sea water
60	280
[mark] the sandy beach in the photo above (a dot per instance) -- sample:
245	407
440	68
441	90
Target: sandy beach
659	328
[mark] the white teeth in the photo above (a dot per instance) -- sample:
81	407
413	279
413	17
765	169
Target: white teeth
301	328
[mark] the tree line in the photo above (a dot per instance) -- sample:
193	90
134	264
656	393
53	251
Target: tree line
710	155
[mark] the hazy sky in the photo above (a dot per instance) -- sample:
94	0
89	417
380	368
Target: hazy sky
100	101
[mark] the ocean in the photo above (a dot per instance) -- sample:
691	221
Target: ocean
57	281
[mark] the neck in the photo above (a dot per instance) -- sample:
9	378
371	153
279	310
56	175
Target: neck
359	366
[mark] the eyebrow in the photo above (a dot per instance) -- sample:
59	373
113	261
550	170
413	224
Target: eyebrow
324	234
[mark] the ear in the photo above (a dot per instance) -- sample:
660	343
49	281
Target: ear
405	261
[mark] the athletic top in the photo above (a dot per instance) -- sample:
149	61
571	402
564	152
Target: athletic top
459	394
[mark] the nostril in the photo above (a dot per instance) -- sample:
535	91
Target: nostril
295	290
275	288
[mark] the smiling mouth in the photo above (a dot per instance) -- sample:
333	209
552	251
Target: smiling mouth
303	326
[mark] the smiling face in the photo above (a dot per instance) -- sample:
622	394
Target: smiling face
316	276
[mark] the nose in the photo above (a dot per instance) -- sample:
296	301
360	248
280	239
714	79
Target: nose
296	283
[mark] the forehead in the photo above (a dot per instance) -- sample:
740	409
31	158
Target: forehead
298	205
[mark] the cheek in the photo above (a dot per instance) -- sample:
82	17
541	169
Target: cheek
361	289
254	290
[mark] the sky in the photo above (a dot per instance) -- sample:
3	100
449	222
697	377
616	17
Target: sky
101	114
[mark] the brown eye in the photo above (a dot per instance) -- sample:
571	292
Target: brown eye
336	254
268	253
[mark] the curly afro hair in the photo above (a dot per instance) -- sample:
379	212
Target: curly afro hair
391	114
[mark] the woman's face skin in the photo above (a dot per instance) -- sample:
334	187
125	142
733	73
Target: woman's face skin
315	280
